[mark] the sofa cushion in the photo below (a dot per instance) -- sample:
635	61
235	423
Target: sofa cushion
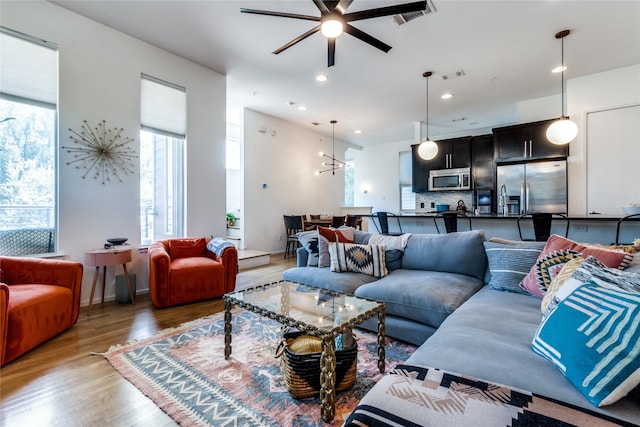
593	337
328	235
346	282
611	258
367	259
558	281
186	248
424	296
489	337
461	253
509	263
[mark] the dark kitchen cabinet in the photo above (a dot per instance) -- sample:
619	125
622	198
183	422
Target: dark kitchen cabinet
453	153
526	142
482	164
419	172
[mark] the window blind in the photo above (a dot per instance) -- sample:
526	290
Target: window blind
163	107
28	68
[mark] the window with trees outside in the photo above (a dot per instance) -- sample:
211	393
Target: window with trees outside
28	168
162	147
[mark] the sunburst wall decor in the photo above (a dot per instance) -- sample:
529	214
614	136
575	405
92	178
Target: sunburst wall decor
101	152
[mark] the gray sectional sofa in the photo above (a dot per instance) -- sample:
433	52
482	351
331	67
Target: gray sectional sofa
438	300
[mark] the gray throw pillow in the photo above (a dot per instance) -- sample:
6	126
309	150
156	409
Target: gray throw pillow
510	263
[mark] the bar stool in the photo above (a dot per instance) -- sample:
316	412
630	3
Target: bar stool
542	225
633	217
383	223
450	220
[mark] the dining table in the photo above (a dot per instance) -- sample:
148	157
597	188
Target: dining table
311	224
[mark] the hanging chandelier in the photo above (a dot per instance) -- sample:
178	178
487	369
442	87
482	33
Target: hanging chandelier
563	130
427	149
335	163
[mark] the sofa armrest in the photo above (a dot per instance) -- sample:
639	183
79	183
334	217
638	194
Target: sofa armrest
302	257
25	270
229	259
4	318
159	266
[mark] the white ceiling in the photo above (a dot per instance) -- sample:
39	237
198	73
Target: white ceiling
506	49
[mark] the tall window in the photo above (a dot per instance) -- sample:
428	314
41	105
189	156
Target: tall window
162	146
28	104
407	196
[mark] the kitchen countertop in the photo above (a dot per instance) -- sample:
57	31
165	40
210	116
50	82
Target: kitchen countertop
430	215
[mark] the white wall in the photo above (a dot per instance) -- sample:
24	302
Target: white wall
99	79
284	158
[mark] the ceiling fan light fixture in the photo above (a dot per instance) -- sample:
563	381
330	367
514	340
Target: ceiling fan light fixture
332	27
563	130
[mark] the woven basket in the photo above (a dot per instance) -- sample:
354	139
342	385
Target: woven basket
300	365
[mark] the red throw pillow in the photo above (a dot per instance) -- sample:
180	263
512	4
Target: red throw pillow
536	286
187	248
327	235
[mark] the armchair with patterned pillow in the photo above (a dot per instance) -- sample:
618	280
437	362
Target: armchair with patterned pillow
184	270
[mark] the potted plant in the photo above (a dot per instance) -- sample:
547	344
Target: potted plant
231	219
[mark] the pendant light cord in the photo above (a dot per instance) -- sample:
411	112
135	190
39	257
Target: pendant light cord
562	74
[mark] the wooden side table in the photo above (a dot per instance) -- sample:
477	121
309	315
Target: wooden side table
105	258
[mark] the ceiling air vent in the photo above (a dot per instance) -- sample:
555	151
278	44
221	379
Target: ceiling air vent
403	18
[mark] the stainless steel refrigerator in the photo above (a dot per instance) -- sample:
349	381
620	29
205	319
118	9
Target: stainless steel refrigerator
533	187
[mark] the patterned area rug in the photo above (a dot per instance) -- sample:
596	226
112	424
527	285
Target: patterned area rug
184	372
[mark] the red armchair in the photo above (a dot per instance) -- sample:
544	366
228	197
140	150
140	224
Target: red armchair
39	298
183	270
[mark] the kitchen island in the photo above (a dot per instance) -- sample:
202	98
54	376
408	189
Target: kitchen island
584	228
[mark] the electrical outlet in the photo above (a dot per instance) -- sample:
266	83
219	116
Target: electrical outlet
580	228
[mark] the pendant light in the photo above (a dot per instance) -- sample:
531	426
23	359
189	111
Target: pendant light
335	163
427	149
563	130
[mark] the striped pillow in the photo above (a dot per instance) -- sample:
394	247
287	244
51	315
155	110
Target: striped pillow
509	263
367	259
593	337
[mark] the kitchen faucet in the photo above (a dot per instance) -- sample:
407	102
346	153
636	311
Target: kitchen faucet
503	198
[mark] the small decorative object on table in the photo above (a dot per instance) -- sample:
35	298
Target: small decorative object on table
231	219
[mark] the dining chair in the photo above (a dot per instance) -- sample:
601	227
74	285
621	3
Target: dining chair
628	218
337	221
353	221
382	224
542	225
450	220
293	224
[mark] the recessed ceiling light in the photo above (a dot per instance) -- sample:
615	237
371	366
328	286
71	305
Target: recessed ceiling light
322	78
358	131
559	69
302	108
446	96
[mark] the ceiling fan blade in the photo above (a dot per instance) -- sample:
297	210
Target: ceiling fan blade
297	39
366	38
385	11
280	14
323	7
343	5
331	53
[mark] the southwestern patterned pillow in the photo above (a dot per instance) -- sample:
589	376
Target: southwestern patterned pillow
327	235
610	258
592	336
546	268
367	259
557	282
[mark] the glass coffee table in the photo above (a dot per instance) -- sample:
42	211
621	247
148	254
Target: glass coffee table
313	311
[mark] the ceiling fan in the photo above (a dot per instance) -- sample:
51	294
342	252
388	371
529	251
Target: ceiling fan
334	20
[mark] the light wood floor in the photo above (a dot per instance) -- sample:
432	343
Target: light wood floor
60	383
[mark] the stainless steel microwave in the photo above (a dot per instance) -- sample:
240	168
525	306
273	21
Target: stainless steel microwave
450	179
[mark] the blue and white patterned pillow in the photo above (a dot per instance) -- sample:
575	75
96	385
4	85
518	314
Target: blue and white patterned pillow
593	337
367	259
309	241
509	263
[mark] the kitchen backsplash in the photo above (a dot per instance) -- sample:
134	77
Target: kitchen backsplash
426	202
